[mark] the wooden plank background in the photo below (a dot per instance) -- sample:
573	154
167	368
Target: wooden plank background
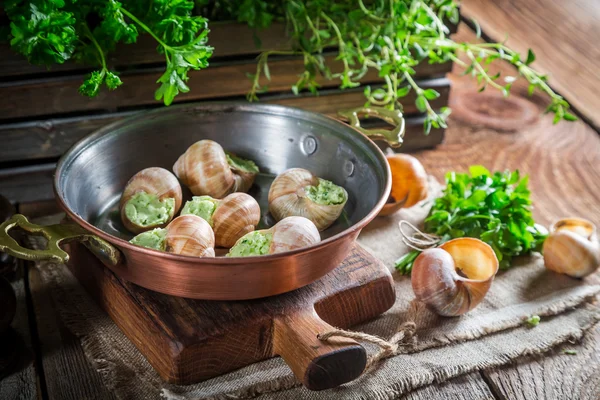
144	51
564	36
51	138
59	95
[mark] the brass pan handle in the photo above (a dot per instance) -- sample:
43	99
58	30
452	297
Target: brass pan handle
56	235
393	137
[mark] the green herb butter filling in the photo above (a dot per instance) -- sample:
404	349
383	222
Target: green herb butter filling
241	164
201	206
251	244
145	209
154	239
326	193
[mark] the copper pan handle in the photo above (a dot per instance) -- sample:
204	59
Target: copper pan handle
393	137
318	365
56	235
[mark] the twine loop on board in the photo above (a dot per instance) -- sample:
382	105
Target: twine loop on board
417	239
404	338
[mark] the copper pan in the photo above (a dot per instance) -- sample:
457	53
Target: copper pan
92	174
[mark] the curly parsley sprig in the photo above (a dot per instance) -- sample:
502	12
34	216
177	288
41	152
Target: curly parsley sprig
495	208
53	31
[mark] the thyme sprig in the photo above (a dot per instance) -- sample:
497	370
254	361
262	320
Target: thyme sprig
392	37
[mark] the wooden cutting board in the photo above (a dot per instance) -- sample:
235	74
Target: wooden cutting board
188	341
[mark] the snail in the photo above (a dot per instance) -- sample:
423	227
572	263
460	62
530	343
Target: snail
151	198
453	278
208	170
297	192
187	235
288	234
409	183
230	218
572	247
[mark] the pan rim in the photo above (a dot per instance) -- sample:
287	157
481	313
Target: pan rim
223	106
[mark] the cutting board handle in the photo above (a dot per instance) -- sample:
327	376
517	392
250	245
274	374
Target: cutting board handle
318	365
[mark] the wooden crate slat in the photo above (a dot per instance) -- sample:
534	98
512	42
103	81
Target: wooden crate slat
45	97
144	51
27	183
229	39
33	183
51	138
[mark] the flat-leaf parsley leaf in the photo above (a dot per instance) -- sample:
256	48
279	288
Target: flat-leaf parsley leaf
495	208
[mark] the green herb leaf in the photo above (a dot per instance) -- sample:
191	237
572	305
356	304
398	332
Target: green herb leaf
530	57
533	321
431	94
494	207
403	91
421	103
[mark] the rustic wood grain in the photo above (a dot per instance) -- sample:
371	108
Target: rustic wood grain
465	387
24	184
144	51
564	36
562	161
20	383
48	96
51	138
34	183
174	333
69	374
554	376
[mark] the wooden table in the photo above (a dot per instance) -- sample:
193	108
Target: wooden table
563	161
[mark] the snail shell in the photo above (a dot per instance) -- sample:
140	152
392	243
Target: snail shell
293	233
190	235
437	283
409	183
205	169
572	247
154	181
233	217
290	233
288	197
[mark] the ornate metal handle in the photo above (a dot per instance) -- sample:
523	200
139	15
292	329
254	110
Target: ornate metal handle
393	137
56	234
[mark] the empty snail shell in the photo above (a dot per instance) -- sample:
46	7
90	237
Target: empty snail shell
207	170
190	235
409	183
297	192
453	278
572	247
231	217
151	198
288	234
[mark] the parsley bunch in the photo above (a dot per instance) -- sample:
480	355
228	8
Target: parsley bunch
53	31
495	208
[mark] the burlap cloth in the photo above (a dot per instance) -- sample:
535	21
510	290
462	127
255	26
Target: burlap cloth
492	334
